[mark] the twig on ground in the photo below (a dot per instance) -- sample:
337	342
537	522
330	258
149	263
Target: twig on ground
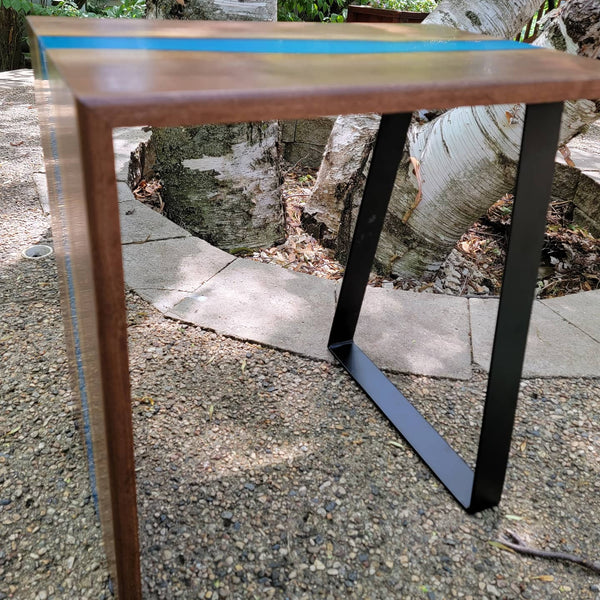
518	545
464	285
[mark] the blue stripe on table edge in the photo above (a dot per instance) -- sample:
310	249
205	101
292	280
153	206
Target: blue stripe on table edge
276	46
81	379
44	64
73	316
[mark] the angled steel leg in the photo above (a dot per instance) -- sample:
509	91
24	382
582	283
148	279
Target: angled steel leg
483	487
532	195
376	197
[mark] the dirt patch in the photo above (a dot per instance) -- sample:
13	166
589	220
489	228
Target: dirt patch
570	257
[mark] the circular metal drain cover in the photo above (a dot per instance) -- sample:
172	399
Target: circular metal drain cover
38	251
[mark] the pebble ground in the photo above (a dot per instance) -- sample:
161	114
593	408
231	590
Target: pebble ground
262	474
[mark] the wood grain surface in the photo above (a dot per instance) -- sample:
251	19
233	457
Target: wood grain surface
54	26
187	87
110	358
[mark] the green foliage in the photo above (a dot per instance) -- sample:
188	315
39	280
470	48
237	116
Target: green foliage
310	10
406	5
127	9
20	55
130	9
25	7
68	8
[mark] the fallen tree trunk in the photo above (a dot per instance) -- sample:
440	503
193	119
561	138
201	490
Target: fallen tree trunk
456	165
221	182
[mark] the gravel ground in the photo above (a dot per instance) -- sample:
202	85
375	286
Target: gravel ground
262	474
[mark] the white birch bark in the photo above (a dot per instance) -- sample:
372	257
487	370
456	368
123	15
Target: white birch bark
328	216
221	182
213	10
467	156
500	18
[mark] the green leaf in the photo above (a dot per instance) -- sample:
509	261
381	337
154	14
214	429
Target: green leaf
21	6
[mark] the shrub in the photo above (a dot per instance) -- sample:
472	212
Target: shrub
14	50
407	5
310	10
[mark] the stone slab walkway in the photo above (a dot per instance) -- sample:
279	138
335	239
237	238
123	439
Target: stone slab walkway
436	335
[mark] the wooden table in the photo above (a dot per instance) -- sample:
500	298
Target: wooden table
94	75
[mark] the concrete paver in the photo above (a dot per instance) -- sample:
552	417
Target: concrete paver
266	304
181	264
162	299
416	333
554	347
139	223
402	331
124	192
582	310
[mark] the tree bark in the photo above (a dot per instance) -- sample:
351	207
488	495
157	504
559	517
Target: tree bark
221	182
12	31
212	10
330	214
500	18
466	157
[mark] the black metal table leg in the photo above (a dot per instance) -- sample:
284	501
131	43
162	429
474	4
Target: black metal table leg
482	488
532	195
387	153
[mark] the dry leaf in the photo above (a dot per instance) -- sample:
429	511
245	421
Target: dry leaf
13	431
511	116
147	400
417	171
501	546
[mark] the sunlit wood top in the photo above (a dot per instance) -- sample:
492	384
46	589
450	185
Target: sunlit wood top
287	80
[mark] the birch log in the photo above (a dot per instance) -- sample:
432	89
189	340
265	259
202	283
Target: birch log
212	10
467	156
221	182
